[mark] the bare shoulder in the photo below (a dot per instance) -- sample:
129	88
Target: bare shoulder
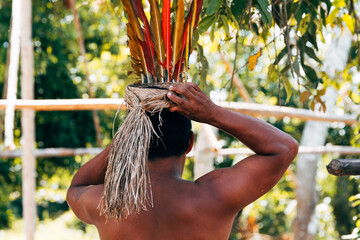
235	187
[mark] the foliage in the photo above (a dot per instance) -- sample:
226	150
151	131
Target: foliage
289	66
301	26
59	74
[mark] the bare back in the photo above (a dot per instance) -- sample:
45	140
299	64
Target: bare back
182	210
203	209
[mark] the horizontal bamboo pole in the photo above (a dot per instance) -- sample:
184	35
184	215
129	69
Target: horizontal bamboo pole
66	152
281	112
67	104
247	108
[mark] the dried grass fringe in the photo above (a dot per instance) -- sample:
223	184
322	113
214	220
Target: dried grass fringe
127	187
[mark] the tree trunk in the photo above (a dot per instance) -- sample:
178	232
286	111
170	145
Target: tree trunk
13	73
28	123
86	71
344	167
205	149
314	134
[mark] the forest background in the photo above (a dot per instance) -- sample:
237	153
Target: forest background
279	49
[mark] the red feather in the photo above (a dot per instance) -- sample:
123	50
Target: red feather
147	44
148	59
198	11
166	27
179	64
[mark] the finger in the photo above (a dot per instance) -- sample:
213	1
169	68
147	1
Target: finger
193	91
179	110
176	99
174	109
177	89
195	86
182	89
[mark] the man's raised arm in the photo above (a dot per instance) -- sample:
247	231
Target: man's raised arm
87	187
252	177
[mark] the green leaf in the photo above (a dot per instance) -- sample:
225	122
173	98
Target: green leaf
288	88
311	75
272	75
238	7
212	32
296	66
230	14
282	53
226	25
214	6
262	6
205	23
301	46
311	53
311	34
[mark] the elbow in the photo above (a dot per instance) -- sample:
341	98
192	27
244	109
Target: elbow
68	196
290	150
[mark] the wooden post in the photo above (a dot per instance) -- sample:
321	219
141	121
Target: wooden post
205	152
344	167
16	16
28	123
314	134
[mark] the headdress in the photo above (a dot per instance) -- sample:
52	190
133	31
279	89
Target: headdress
159	54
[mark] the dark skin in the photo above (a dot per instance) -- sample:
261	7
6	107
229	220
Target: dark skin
203	209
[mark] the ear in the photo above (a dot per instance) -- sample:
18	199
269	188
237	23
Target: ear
191	142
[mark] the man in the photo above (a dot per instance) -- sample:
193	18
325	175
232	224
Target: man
203	209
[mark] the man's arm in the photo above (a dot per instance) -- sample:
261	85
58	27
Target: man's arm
252	177
87	187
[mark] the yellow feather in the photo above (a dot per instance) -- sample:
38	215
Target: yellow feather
156	34
178	33
133	21
190	35
135	36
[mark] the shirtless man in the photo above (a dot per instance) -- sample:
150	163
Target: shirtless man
199	210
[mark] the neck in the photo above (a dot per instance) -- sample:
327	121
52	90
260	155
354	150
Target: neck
169	167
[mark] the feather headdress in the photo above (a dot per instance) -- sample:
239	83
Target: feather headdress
160	54
160	49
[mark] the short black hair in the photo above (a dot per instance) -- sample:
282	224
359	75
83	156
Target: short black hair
174	132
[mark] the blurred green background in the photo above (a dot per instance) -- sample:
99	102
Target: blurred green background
59	74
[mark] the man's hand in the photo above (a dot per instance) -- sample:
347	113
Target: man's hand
194	104
252	177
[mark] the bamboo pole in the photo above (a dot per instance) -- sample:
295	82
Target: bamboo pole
67	104
5	86
246	108
68	152
28	123
16	16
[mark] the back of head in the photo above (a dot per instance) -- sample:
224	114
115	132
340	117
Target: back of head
174	131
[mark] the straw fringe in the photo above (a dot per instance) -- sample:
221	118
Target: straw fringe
127	187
